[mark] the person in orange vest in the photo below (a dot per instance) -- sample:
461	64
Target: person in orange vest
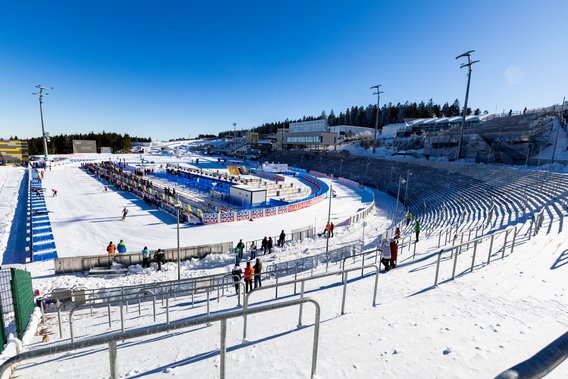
249	275
110	248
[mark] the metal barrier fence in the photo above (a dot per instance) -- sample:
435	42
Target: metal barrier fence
8	318
344	278
540	364
457	250
112	338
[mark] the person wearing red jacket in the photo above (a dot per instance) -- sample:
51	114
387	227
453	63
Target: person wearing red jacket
249	276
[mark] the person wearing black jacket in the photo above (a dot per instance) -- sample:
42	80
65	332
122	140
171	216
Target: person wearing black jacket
281	239
269	245
159	257
237	273
264	245
257	273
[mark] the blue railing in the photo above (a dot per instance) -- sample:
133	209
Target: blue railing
42	242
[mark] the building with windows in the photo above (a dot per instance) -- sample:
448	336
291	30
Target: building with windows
316	133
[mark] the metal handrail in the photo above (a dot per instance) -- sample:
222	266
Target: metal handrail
112	338
145	294
540	364
343	274
465	246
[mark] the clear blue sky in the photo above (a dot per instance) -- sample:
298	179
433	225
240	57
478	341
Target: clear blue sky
167	69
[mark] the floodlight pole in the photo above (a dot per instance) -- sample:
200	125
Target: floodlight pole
178	207
40	95
468	65
377	92
234	139
408	173
328	220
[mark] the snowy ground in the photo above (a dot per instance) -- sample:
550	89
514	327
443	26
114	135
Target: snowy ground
12	213
475	326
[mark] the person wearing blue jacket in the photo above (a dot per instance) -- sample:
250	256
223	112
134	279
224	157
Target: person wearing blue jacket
145	257
121	247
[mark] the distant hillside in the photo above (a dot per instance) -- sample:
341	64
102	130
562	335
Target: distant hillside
63	143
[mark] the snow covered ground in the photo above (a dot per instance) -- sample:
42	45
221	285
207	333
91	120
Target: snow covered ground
12	213
475	326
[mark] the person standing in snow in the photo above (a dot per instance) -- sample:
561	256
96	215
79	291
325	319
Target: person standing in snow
124	213
257	273
264	245
281	239
145	257
249	275
111	248
121	247
269	245
386	255
239	249
397	233
237	273
417	229
159	258
252	251
331	228
408	218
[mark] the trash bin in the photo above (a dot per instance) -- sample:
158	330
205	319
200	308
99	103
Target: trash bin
80	296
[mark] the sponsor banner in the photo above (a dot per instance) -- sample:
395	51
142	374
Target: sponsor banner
210	218
271	212
243	215
282	209
228	217
317	173
257	213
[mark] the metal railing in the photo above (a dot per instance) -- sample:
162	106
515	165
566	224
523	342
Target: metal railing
344	279
457	250
112	338
540	364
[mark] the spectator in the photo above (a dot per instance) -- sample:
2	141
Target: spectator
417	229
393	248
397	233
121	247
257	273
145	257
408	218
252	251
249	275
331	228
159	257
111	248
281	239
269	245
237	272
385	255
264	245
239	249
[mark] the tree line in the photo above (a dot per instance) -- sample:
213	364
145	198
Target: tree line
63	143
366	116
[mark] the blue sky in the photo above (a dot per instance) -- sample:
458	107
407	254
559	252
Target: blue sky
178	68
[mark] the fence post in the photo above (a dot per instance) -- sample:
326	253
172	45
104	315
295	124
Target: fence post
414	253
301	304
295	277
456	262
168	307
474	252
505	244
438	267
490	248
362	263
112	353
223	347
344	293
276	296
514	238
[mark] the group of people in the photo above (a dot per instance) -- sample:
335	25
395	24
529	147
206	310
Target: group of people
251	274
120	248
266	246
159	258
328	230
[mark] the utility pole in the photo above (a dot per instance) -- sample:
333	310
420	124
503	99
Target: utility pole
377	92
41	93
468	65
